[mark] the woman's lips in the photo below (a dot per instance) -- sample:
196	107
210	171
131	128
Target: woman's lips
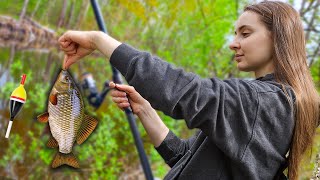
238	57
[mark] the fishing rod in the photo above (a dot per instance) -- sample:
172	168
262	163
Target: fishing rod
117	79
88	85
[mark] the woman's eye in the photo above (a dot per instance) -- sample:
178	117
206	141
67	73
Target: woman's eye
245	34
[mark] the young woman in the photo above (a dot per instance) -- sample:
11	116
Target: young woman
249	126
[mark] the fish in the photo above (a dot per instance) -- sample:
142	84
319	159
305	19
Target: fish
67	120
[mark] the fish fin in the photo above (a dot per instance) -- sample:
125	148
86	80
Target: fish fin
53	98
68	159
43	117
52	143
88	125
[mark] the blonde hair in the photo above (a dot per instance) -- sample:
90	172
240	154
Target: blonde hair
291	68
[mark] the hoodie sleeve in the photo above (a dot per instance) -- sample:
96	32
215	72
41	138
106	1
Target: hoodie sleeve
173	148
224	110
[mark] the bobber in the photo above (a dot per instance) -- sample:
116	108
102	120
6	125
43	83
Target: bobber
17	99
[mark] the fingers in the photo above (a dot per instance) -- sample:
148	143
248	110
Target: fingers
120	90
123	105
64	44
125	88
75	56
76	44
65	40
83	38
69	48
69	60
120	99
117	93
68	37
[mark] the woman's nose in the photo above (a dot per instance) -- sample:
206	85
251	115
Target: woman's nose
234	45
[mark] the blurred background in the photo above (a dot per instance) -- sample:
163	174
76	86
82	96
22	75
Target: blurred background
193	34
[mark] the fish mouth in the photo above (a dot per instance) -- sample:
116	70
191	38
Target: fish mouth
64	82
65	77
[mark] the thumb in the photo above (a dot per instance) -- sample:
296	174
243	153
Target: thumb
112	85
119	87
125	88
132	94
69	60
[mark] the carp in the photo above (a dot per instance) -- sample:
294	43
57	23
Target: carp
67	121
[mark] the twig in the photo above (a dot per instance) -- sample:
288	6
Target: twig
310	24
302	6
85	5
23	11
312	29
70	15
316	52
62	14
35	9
308	8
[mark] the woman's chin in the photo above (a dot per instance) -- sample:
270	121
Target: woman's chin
242	67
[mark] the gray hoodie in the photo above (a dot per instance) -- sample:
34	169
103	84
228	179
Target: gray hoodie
248	123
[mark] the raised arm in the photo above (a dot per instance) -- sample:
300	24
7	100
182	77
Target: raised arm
78	44
224	110
169	146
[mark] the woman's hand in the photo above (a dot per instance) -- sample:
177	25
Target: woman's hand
149	118
78	44
120	96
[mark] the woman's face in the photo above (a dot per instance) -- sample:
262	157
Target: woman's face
253	45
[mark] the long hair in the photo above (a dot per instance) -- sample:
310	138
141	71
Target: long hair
291	68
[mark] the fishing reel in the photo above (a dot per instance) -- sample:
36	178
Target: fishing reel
90	90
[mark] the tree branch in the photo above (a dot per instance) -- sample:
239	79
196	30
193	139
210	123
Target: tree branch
63	13
70	15
35	9
23	11
85	6
303	11
312	29
310	24
302	6
316	52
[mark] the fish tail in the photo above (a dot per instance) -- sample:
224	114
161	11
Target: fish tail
68	159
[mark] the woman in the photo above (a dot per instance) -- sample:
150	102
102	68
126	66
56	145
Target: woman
249	125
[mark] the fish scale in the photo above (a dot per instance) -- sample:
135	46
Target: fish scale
65	119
